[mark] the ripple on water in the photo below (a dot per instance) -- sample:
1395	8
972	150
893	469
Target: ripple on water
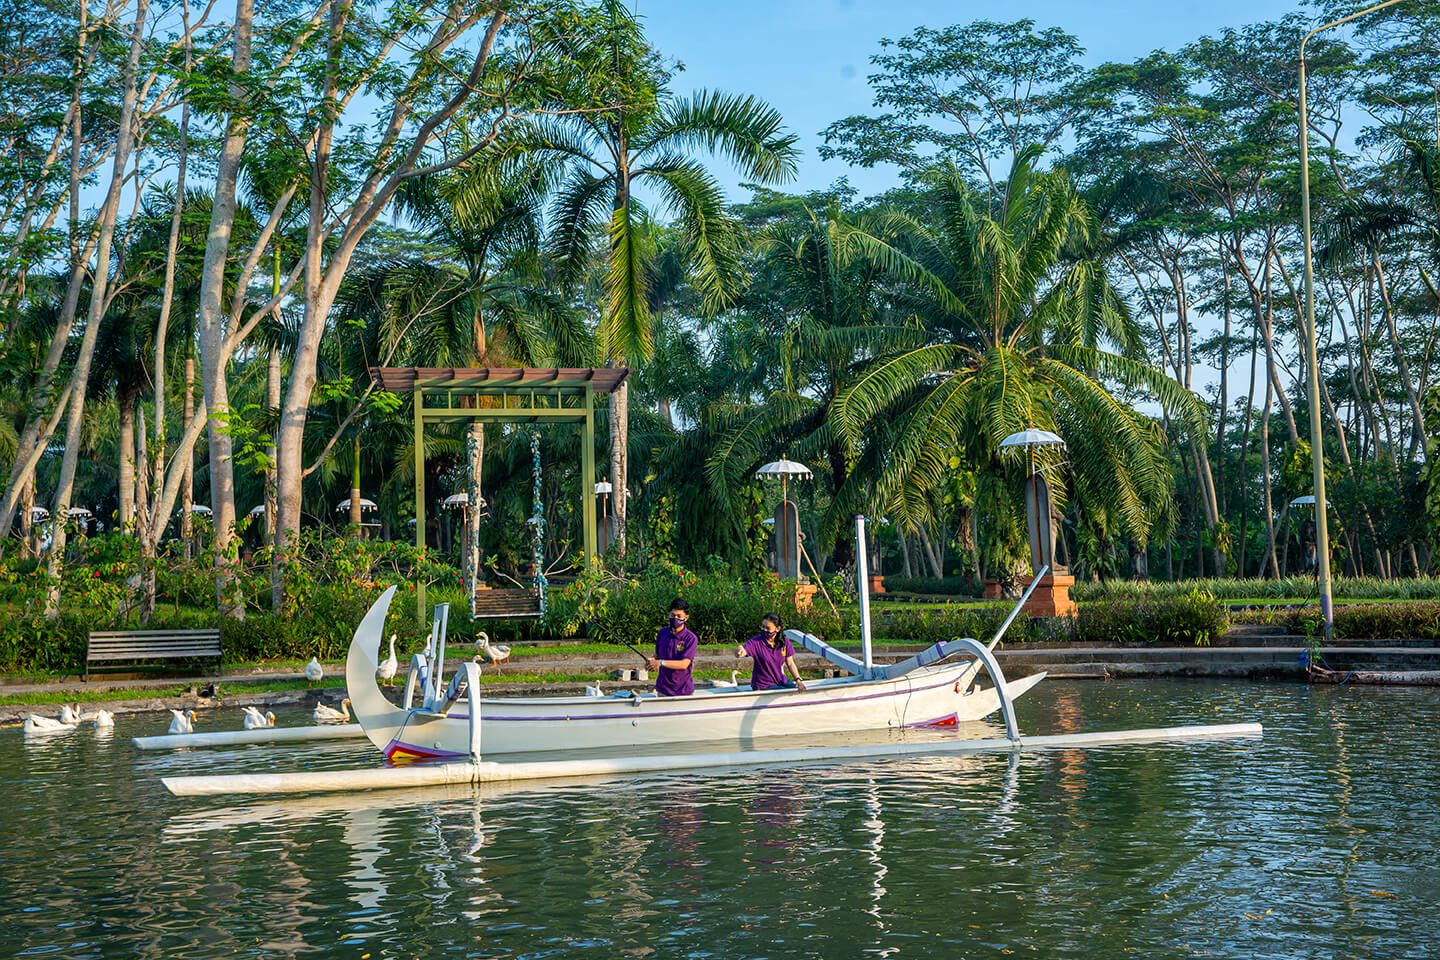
1318	841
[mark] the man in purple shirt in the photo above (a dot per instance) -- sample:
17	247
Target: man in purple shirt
675	648
771	653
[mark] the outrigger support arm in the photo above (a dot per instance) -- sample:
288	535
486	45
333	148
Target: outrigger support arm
932	654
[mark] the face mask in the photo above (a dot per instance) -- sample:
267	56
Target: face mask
676	622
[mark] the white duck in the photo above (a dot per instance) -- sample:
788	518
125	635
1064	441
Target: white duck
104	719
34	724
496	654
70	715
734	681
314	672
389	667
593	690
184	722
255	720
324	714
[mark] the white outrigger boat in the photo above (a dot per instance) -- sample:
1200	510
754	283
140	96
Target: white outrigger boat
450	723
611	734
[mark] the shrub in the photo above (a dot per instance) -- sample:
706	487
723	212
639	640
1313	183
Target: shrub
1195	618
960	586
1344	588
722	608
1369	621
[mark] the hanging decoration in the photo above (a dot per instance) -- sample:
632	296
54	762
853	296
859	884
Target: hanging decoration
537	521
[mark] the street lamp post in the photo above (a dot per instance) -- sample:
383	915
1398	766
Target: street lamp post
1317	453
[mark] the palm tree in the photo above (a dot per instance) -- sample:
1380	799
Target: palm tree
632	134
1019	332
475	295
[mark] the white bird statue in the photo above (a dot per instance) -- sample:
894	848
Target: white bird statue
184	722
255	720
34	724
314	672
389	667
324	714
104	719
69	715
496	654
734	680
593	690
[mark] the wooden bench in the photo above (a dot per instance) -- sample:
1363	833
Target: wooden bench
506	603
133	646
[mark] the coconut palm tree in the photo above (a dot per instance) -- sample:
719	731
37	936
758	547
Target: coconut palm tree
1023	331
631	134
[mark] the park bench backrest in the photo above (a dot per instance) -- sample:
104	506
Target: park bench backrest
152	644
506	603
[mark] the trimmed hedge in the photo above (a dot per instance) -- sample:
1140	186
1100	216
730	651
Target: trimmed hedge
960	586
1197	618
1362	621
1344	588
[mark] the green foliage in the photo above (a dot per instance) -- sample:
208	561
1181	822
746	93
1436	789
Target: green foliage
722	608
1344	588
1371	621
962	586
1193	618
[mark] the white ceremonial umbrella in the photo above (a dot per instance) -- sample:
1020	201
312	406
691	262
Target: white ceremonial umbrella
257	511
38	514
201	510
784	468
1032	438
1306	501
365	505
78	512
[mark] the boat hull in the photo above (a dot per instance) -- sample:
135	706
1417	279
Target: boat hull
941	694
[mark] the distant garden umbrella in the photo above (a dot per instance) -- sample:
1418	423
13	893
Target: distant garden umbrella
1039	513
199	509
258	511
603	489
39	514
365	505
784	469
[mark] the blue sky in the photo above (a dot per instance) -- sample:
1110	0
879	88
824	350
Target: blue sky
810	58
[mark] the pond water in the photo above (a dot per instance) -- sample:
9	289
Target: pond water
1318	841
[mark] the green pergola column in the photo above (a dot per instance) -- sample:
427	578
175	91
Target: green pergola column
587	476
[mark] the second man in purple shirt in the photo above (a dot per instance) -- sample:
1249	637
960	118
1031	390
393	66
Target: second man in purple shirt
772	654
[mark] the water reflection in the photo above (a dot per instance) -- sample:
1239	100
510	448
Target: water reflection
1319	840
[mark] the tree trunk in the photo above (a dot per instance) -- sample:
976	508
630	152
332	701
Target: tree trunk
272	402
1269	507
143	525
99	289
212	320
356	517
125	403
187	480
470	549
38	428
27	520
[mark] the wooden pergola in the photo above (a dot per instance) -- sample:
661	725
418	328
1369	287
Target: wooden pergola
525	395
